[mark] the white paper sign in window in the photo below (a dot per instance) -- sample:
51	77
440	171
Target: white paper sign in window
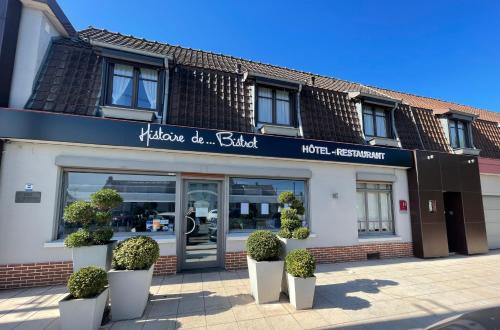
244	208
264	208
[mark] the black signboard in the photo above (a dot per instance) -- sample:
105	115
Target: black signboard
38	125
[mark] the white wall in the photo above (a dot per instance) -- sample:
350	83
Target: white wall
26	227
490	184
35	34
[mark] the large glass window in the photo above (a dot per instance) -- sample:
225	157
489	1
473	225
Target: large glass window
459	137
148	200
133	86
376	122
374	208
253	203
274	106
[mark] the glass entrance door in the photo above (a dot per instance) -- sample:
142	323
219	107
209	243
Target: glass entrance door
201	225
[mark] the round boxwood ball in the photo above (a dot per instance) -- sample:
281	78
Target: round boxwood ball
82	237
102	236
263	245
290	224
286	197
79	213
88	282
106	199
301	233
136	253
300	263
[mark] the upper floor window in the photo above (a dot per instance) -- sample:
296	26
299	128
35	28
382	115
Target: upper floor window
274	106
376	122
133	86
459	137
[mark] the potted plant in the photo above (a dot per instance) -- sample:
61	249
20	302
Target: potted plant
91	244
84	306
300	266
292	233
130	278
264	266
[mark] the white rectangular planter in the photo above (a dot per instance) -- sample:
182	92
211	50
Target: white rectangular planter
82	314
290	244
129	290
301	291
94	255
265	279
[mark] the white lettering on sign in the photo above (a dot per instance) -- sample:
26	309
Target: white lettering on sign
226	139
342	152
159	135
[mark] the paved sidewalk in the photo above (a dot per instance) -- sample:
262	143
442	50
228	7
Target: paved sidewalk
382	294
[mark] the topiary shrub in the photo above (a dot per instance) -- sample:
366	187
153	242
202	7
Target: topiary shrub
79	238
102	236
263	245
286	197
284	233
300	263
136	253
290	224
79	213
301	233
106	199
88	282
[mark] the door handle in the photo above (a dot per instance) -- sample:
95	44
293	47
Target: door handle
188	218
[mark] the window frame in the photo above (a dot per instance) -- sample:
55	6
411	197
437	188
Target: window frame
110	64
291	102
372	110
455	131
306	200
365	191
62	183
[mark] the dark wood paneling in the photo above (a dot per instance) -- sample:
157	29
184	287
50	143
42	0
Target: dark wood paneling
473	207
469	174
429	177
426	215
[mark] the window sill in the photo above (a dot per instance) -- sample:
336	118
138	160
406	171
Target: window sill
379	239
384	142
244	236
168	239
125	113
279	130
466	151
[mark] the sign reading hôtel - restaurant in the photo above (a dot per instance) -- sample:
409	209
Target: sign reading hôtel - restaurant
45	126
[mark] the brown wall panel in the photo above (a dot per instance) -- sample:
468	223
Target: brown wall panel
434	217
476	237
469	175
450	172
429	176
435	241
473	207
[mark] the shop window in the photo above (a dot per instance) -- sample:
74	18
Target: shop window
253	203
459	137
374	208
148	200
132	86
274	106
376	122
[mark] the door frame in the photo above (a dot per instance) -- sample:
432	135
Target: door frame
181	237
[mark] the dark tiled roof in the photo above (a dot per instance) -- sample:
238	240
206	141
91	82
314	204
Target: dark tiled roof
486	137
198	58
329	115
210	99
69	81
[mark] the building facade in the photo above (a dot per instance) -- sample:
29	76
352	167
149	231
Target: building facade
200	145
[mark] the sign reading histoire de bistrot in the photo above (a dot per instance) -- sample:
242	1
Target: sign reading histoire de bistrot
44	126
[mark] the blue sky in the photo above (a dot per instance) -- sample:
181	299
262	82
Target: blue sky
447	49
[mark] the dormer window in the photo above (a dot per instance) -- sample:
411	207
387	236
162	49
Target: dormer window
133	86
459	136
274	106
376	122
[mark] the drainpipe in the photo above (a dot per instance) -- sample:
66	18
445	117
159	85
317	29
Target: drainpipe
416	126
393	123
